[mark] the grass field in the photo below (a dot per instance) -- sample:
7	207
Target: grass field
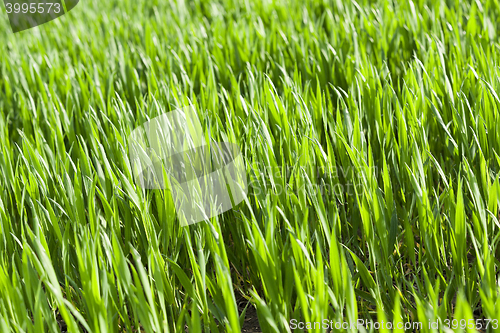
371	137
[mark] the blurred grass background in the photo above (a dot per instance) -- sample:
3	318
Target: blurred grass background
370	132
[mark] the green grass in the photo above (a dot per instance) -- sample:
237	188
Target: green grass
371	136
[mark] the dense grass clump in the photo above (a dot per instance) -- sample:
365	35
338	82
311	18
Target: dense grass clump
371	137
